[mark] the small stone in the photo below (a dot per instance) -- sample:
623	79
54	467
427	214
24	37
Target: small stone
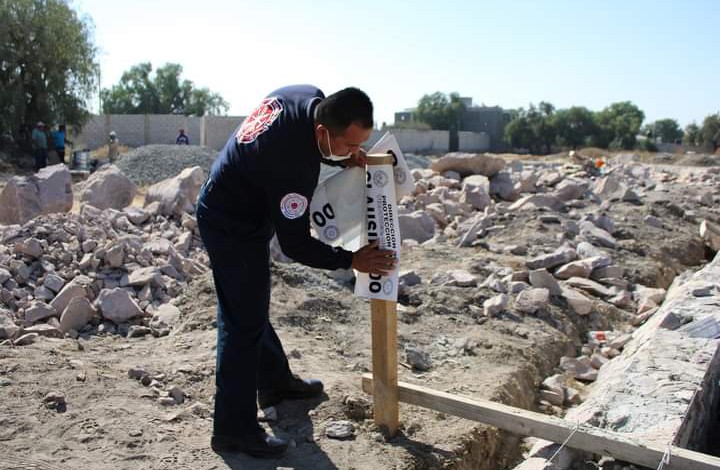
531	300
553	397
39	311
580	368
55	401
26	339
177	394
135	433
137	373
541	278
581	304
54	282
598	360
653	221
559	257
340	430
495	305
167	401
138	331
461	278
268	415
31	247
409	278
416	358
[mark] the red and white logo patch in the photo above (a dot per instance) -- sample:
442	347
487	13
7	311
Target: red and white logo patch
293	205
259	121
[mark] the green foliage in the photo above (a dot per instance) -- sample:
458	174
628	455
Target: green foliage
668	130
440	111
47	64
692	136
618	125
574	126
165	93
533	129
710	132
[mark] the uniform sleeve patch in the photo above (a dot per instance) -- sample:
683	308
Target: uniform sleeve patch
293	205
259	120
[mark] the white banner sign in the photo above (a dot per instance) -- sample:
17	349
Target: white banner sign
382	225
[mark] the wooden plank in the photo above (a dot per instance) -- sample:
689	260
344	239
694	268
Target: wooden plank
384	356
529	423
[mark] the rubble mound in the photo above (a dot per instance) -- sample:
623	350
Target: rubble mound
154	163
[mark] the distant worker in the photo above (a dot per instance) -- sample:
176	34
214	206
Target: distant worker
113	144
60	140
40	145
182	138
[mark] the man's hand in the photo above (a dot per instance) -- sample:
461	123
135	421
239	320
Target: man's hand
358	158
370	259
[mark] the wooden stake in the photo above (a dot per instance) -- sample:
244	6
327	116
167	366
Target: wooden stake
528	423
384	350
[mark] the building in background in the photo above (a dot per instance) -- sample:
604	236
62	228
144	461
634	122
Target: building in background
488	119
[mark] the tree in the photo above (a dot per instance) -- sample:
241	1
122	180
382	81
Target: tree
668	130
533	128
519	132
618	125
692	136
165	93
47	64
575	126
710	132
440	111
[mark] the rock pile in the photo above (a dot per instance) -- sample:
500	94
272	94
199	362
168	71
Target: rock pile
100	271
154	163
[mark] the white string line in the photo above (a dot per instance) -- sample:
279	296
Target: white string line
562	446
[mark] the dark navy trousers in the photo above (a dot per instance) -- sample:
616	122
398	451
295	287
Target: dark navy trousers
250	356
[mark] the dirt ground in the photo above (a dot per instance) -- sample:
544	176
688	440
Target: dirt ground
112	421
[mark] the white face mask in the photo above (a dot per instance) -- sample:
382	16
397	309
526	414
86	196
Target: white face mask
333	157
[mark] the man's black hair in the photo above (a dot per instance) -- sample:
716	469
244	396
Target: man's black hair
347	106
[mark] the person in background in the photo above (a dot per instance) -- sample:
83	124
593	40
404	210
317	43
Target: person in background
60	140
182	138
40	145
113	144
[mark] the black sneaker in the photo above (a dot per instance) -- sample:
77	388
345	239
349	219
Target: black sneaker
260	445
294	389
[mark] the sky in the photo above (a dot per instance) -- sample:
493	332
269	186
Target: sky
661	55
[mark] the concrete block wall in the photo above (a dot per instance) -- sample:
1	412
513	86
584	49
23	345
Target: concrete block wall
135	130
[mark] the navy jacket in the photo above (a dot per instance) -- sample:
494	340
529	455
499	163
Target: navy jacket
263	180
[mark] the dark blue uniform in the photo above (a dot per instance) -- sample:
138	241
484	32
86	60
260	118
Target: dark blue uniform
260	184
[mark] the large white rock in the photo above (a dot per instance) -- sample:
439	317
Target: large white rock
535	201
495	305
417	226
541	278
595	235
117	305
710	232
570	189
8	328
26	197
469	164
78	313
69	292
560	256
580	368
177	195
55	189
532	300
108	188
581	304
39	311
611	189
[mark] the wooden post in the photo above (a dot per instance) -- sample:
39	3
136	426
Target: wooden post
385	376
384	349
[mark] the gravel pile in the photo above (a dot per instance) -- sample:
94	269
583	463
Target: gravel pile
153	163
